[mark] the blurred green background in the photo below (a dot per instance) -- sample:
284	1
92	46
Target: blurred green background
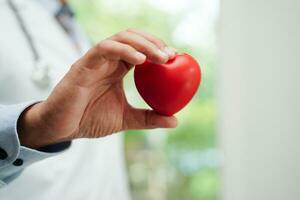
181	163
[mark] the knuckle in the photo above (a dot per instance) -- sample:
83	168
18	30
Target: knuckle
117	35
148	47
132	29
160	43
144	48
123	49
129	51
102	45
121	35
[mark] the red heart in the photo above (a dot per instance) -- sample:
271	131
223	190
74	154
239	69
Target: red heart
168	87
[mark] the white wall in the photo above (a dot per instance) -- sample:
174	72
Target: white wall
259	99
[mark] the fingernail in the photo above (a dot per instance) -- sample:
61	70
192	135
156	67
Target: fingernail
163	54
140	56
170	51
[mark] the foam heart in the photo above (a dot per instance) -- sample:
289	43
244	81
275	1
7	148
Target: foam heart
167	88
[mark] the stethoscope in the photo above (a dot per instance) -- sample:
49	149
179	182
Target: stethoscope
40	75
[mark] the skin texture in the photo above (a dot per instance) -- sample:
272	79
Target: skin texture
89	102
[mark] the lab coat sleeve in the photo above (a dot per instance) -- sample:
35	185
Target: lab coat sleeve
13	156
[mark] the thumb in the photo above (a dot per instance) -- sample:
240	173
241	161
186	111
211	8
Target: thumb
147	119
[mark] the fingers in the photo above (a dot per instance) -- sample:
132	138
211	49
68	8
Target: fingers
141	44
147	119
114	50
133	46
159	43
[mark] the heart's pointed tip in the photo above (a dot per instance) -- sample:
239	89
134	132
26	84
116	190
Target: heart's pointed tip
165	113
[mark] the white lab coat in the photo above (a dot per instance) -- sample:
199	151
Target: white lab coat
90	169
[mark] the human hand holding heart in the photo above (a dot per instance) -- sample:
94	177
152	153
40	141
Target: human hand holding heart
90	100
168	87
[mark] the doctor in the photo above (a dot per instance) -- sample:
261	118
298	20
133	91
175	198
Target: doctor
54	91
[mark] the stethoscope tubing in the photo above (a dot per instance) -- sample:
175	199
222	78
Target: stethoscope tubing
25	31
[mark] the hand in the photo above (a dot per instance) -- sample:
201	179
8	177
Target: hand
89	101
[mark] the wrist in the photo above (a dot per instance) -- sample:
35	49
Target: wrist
31	130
